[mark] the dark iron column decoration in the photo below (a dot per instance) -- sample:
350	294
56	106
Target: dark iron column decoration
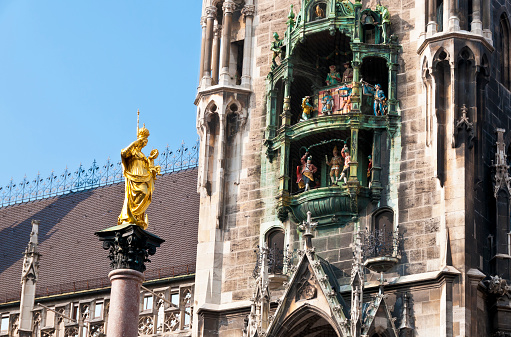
129	246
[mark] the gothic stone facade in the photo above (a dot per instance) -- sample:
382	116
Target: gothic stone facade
438	181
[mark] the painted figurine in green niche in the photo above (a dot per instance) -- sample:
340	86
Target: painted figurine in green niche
380	101
305	173
328	103
345	153
347	75
335	165
333	76
306	108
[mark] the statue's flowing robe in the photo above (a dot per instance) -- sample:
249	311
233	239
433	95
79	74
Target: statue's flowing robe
139	188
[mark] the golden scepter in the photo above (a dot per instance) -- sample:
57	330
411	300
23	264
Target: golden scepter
138	119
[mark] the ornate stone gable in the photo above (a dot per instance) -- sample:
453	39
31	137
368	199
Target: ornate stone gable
312	288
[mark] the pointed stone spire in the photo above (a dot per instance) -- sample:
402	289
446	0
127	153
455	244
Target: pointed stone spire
501	179
28	281
405	328
308	226
357	286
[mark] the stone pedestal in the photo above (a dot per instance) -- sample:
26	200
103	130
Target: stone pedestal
129	248
124	302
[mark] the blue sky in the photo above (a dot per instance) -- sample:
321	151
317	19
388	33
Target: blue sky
74	73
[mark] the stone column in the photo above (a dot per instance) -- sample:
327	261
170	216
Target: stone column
208	49
487	21
454	20
203	46
248	12
477	24
124	302
216	52
431	27
130	247
226	42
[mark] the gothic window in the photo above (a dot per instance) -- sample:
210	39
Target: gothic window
275	242
98	309
383	219
504	48
148	303
4	325
74	311
439	15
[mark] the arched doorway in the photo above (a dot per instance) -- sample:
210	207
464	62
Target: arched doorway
307	322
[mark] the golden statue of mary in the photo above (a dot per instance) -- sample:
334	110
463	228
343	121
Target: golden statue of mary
139	172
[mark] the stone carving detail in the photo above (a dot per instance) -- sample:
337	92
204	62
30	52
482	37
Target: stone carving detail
48	333
15	324
501	178
248	10
498	286
464	124
211	12
71	332
96	330
172	322
306	289
145	325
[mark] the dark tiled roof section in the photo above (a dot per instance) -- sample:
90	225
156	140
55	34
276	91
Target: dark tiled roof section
70	250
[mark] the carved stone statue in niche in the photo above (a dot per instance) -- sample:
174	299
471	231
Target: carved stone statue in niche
306	108
335	165
333	76
380	101
345	153
328	103
305	173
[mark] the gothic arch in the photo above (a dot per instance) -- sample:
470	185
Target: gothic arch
441	55
307	318
429	99
504	47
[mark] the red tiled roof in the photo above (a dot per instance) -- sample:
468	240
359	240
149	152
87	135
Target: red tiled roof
70	250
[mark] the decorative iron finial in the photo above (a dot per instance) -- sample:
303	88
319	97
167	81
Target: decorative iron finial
308	226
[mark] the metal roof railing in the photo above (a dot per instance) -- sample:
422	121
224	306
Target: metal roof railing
89	178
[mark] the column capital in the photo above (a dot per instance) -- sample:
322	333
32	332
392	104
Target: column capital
211	12
228	7
248	10
129	246
203	21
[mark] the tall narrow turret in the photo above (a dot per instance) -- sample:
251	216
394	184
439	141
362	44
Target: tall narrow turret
28	281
